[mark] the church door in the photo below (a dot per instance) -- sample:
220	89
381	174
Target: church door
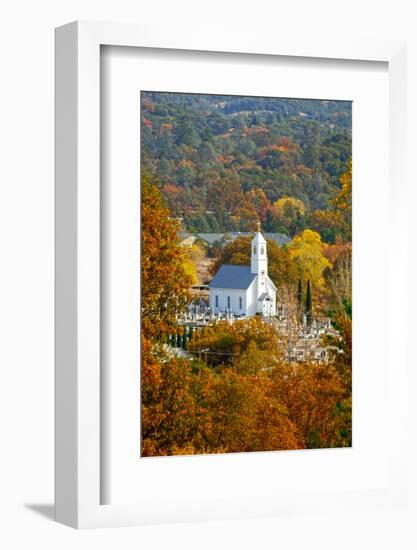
266	308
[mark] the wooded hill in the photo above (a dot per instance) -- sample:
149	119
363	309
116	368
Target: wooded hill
225	162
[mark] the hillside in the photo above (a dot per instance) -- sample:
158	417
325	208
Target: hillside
225	162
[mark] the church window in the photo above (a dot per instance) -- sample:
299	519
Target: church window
254	250
217	300
262	250
228	302
240	302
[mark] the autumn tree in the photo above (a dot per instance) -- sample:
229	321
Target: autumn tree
191	258
343	202
163	279
290	208
174	197
259	200
227	341
311	392
336	222
307	251
169	419
245	217
246	415
328	223
290	213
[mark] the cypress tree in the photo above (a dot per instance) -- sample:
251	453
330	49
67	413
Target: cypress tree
299	293
308	302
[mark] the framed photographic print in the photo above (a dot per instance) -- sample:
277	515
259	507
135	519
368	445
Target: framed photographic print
224	337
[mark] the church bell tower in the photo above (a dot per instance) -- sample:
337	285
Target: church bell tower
259	260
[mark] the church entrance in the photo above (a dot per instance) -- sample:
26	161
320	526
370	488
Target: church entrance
267	307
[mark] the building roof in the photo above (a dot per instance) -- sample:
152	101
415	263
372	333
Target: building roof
210	238
279	238
233	276
264	296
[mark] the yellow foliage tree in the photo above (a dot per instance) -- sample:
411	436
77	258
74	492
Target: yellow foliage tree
290	208
191	256
343	200
307	250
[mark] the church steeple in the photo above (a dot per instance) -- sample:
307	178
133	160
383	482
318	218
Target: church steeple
259	258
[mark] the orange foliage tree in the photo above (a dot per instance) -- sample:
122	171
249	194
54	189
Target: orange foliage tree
227	341
164	281
311	393
164	284
199	410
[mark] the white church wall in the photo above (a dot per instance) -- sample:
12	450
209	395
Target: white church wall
251	299
250	304
234	294
253	289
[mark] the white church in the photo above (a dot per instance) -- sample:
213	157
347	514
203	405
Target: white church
245	290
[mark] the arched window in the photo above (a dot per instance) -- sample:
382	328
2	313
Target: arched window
254	249
262	250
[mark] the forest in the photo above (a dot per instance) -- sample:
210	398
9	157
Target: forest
223	163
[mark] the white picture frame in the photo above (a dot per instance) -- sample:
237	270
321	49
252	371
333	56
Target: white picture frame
77	67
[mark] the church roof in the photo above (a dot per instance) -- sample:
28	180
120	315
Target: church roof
264	296
233	276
